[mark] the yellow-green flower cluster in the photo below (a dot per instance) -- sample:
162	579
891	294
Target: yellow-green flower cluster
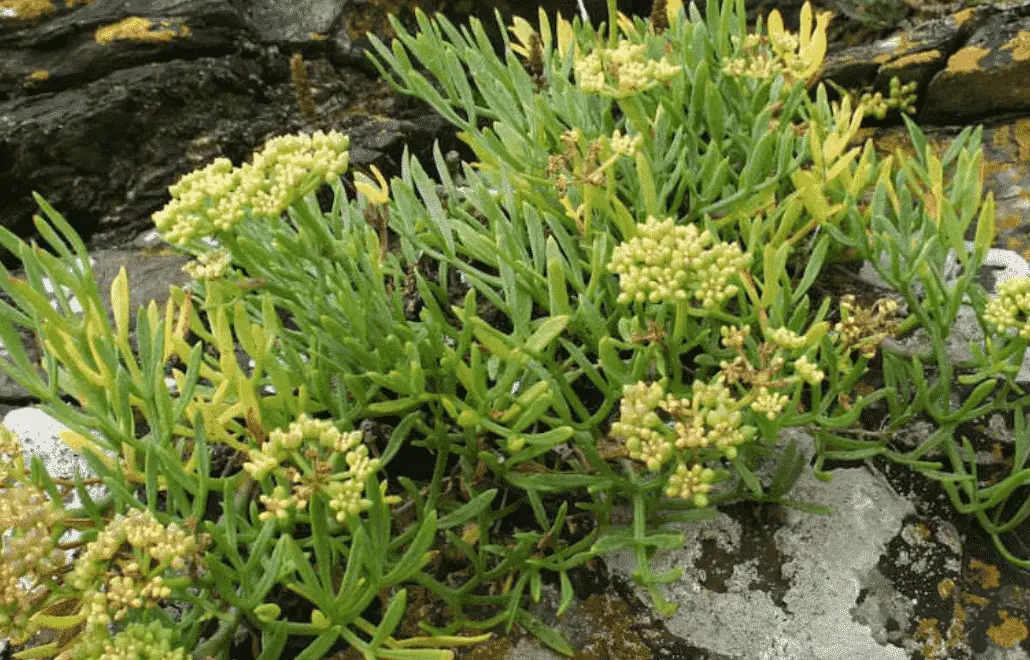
639	425
1010	309
622	71
798	56
209	265
137	641
126	566
710	417
666	262
693	483
808	371
219	196
313	456
769	402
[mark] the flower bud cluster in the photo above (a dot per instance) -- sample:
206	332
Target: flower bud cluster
219	196
1010	309
125	567
209	265
622	71
137	641
29	527
693	483
313	456
798	56
709	418
900	97
670	263
639	425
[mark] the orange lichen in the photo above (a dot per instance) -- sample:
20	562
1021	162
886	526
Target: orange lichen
1009	632
967	59
137	28
1020	46
914	59
25	10
962	17
987	575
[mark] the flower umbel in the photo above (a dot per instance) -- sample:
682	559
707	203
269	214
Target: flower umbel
622	71
670	263
313	456
215	198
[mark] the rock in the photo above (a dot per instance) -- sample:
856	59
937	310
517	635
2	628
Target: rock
988	75
972	64
729	605
103	106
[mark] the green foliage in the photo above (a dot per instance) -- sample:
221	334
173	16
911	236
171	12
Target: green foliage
604	325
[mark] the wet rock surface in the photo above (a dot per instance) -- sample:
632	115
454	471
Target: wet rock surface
105	104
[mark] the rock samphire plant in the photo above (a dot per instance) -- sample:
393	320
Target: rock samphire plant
461	386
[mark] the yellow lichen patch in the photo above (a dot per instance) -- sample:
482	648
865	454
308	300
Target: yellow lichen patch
883	58
989	167
928	630
1012	243
26	10
137	28
1020	46
1002	137
987	575
914	59
1009	632
315	36
962	17
946	587
74	3
1011	221
1021	132
957	629
973	599
967	59
38	75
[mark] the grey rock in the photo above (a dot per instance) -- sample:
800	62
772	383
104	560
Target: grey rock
990	74
829	560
